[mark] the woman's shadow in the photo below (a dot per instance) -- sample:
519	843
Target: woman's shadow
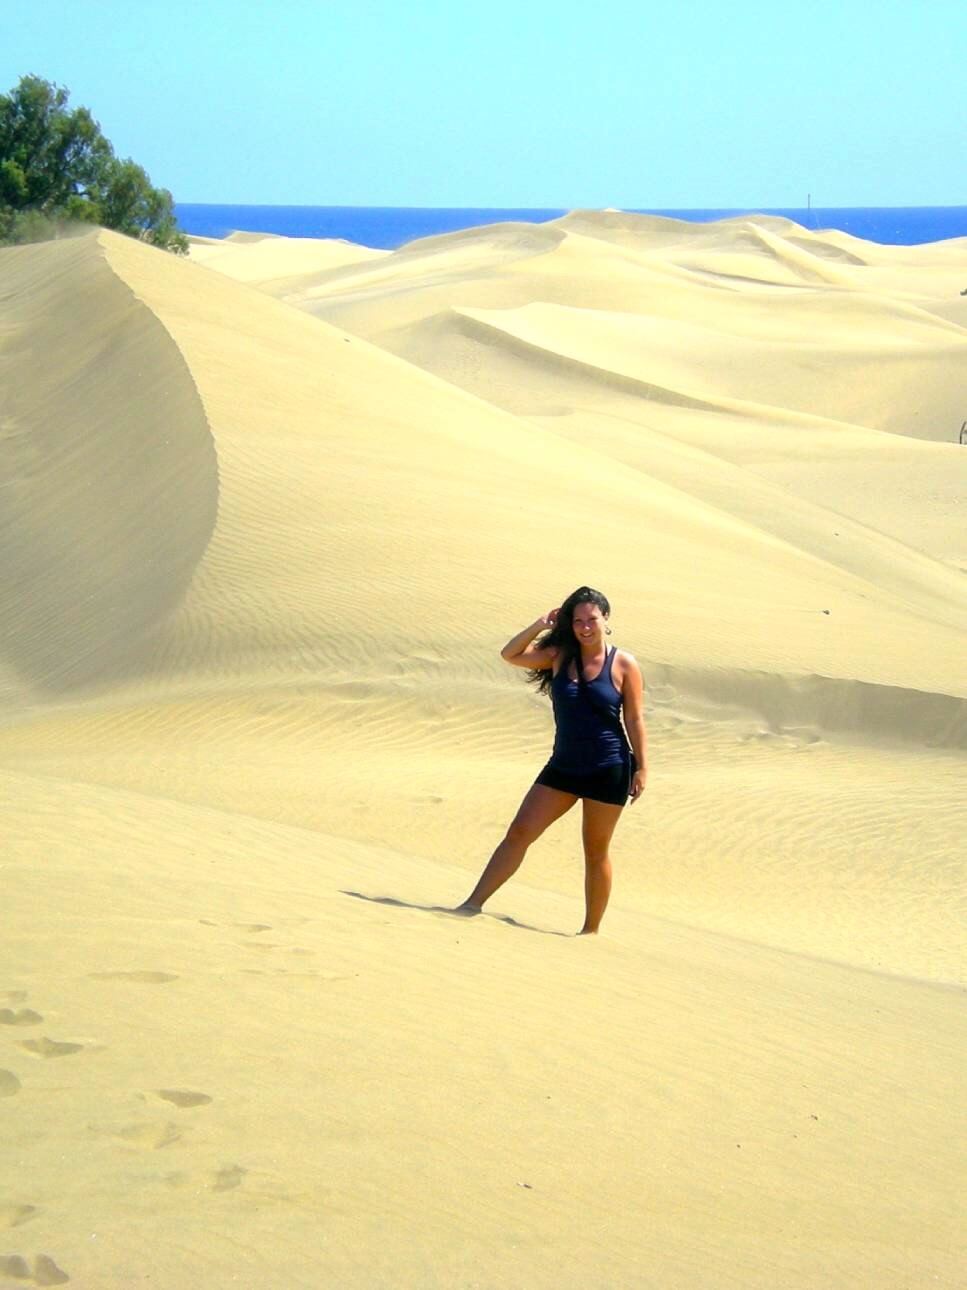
450	912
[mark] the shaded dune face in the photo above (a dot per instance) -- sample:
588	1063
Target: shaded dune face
108	474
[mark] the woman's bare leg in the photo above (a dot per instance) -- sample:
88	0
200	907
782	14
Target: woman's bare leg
540	808
597	827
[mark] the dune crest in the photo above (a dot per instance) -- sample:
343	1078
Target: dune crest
273	263
110	488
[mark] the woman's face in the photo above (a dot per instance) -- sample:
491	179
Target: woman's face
588	623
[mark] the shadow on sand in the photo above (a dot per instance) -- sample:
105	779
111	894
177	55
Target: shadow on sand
452	913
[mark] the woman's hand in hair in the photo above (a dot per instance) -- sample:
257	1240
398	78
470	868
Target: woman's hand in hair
521	651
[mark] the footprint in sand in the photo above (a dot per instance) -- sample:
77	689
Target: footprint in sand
244	927
14	1215
49	1047
19	1017
147	1137
45	1271
297	951
225	1179
9	1084
253	928
184	1097
142	978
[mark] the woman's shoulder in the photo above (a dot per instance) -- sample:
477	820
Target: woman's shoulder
624	662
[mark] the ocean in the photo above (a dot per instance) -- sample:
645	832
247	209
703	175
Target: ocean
387	227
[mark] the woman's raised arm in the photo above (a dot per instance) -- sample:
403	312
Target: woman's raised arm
520	650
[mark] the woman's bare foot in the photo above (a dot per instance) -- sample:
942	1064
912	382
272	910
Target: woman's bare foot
467	909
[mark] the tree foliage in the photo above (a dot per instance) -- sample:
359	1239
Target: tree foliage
57	167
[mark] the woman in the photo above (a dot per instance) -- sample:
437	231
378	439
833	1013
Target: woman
589	684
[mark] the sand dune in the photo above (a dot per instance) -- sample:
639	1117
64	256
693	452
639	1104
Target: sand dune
264	530
271	263
110	479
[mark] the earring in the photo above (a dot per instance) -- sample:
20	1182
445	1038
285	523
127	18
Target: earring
607	631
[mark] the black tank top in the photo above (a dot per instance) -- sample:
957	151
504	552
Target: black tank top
589	734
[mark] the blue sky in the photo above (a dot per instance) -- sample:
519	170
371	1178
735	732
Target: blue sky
614	103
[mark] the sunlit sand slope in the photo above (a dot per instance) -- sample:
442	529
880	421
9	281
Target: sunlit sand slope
634	332
251	744
232	1057
706	313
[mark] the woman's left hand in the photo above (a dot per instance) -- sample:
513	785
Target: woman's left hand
637	786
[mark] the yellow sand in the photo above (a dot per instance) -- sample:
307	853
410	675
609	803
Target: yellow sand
277	265
267	519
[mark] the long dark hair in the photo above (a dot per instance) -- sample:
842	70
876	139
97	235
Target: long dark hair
561	635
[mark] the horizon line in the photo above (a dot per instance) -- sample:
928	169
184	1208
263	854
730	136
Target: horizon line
629	210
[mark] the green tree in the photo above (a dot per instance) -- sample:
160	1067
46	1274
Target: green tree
56	165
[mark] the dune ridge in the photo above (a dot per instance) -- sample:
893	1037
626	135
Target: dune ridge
267	519
276	264
107	450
